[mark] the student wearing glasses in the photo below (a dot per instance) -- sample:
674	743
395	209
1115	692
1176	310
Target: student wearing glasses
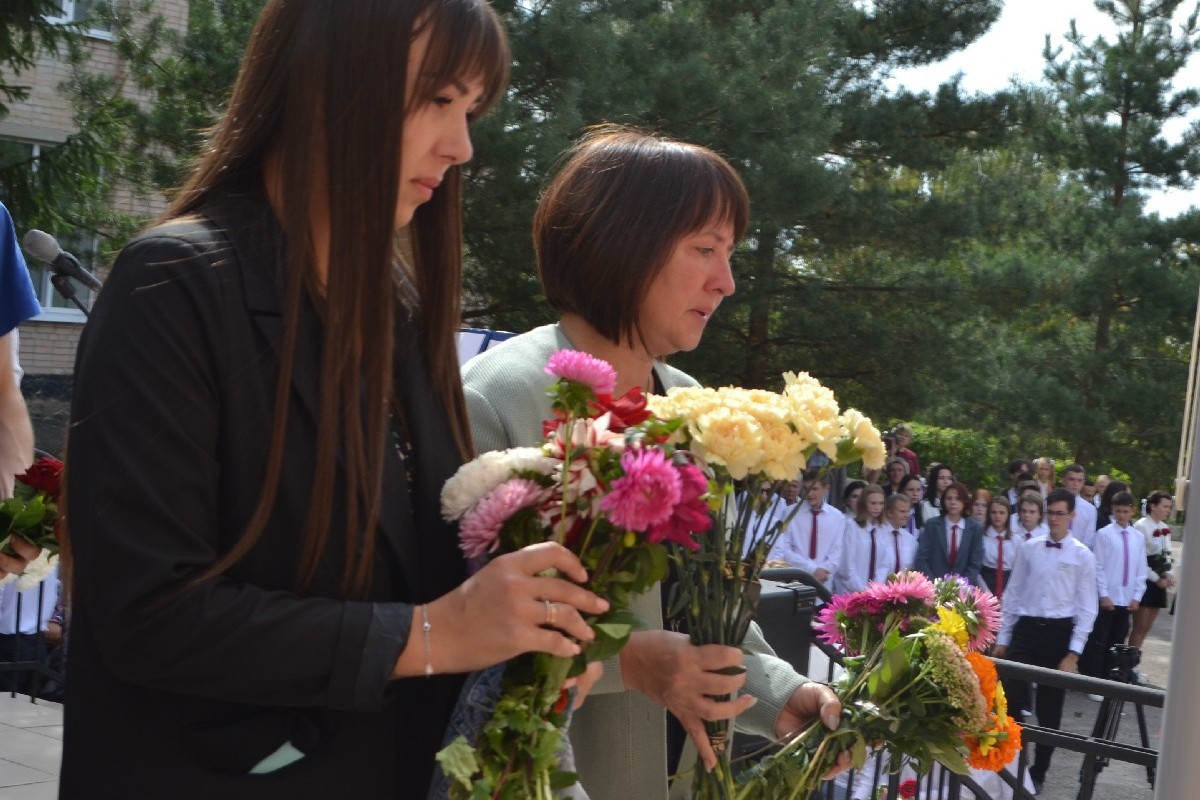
1049	608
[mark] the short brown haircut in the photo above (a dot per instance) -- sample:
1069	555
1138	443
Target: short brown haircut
610	219
964	496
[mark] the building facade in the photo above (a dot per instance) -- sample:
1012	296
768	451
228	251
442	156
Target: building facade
44	120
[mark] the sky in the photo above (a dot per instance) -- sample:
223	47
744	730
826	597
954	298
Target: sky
1012	48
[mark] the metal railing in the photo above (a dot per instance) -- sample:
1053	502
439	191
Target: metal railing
1098	749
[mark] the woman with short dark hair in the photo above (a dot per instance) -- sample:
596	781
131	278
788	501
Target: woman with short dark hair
634	238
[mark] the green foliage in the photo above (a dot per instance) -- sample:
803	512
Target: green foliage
975	458
24	31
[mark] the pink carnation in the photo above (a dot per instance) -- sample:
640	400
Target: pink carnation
585	368
480	528
690	516
646	494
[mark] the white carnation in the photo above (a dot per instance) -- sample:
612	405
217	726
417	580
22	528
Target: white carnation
475	479
37	570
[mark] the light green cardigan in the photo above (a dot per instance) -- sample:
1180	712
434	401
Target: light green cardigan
619	736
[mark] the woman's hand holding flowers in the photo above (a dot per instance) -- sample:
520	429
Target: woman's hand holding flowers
501	612
684	678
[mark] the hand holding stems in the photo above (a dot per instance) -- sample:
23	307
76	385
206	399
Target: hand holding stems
25	552
684	679
808	701
501	612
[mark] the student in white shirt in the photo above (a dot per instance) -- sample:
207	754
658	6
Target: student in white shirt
19	640
1048	612
1028	524
911	488
1156	535
1084	526
850	495
900	545
813	540
1120	582
778	508
941	478
1017	470
1000	546
863	558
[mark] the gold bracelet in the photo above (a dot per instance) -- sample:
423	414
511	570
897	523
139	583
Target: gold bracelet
425	628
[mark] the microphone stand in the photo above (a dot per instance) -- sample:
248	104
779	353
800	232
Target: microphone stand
66	289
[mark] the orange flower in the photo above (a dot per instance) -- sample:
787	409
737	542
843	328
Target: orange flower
994	749
985	670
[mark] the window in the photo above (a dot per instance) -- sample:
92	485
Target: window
55	308
84	11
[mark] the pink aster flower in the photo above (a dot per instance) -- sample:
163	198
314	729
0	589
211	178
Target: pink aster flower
690	516
902	591
828	625
646	494
479	531
585	368
983	619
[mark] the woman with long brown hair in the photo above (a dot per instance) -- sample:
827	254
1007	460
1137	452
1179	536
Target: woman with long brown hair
267	602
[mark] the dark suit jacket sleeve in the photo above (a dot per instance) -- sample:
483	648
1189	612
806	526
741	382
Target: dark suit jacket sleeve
975	556
146	514
924	560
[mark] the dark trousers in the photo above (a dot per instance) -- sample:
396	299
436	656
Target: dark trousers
1111	627
1043	643
20	647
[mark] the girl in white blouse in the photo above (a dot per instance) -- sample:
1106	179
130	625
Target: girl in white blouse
1157	533
999	546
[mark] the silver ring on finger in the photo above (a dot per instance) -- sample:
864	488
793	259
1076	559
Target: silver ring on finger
551	613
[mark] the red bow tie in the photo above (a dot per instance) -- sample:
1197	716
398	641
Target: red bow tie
1162	532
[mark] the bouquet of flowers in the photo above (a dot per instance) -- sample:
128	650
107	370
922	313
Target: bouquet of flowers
750	436
32	513
1161	561
915	680
609	486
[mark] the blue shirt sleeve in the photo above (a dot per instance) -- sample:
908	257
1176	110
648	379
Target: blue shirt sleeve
18	301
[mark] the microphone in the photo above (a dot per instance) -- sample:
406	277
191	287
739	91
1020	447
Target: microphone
44	247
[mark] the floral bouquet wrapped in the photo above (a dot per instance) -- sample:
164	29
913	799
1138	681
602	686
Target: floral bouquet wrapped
750	436
32	513
609	486
915	681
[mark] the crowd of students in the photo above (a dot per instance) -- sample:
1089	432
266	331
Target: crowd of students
1075	574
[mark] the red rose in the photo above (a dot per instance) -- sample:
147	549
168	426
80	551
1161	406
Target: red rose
908	789
628	409
44	476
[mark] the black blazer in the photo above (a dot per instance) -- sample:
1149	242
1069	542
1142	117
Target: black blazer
933	559
178	691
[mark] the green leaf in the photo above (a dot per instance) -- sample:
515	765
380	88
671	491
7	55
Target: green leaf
458	761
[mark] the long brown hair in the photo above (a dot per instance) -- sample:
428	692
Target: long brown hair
319	94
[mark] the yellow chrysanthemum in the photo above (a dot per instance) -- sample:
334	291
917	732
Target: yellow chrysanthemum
953	625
